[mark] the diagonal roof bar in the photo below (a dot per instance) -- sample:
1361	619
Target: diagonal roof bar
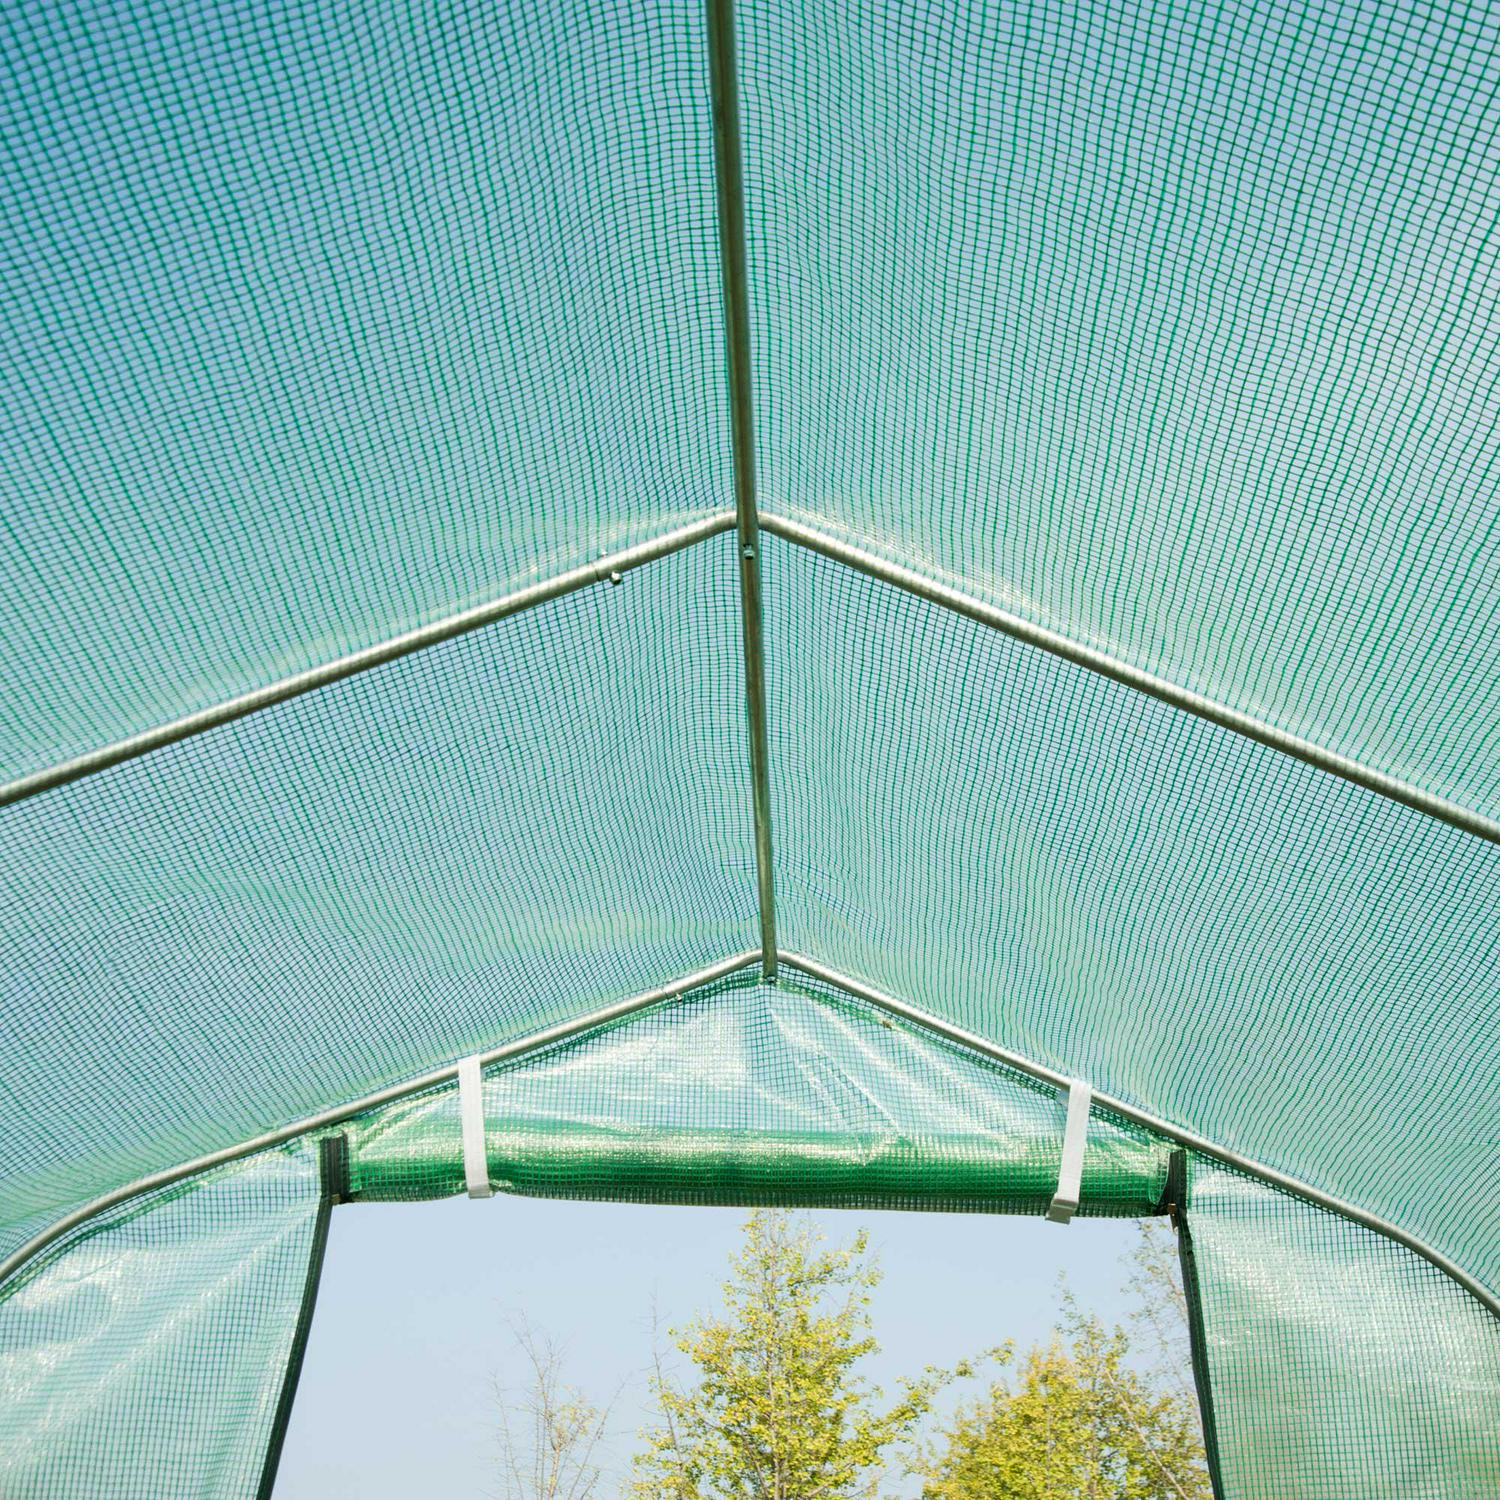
328	1118
1154	1123
800	534
983	613
799	963
729	181
611	565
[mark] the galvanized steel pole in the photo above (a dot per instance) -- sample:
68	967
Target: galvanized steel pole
1273	738
729	178
611	565
328	1118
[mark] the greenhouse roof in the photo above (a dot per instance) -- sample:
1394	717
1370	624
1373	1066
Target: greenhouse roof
804	585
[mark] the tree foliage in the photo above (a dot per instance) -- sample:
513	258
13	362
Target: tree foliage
779	1410
1077	1422
777	1407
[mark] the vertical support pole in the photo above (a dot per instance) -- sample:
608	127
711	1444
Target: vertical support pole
729	180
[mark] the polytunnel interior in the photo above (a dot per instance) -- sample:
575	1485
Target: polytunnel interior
800	582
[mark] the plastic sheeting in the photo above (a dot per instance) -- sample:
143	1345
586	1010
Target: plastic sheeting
747	1093
1168	326
361	884
323	323
1290	965
146	1355
1339	1363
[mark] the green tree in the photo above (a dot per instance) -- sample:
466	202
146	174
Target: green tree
1078	1422
779	1410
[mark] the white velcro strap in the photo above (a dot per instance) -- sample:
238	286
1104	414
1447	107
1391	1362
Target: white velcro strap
1075	1137
471	1116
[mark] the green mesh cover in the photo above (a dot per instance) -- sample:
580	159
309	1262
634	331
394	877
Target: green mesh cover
1167	326
323	321
1340	1364
369	881
746	1093
1302	970
144	1357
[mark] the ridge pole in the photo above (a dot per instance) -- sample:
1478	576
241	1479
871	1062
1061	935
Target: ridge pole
734	276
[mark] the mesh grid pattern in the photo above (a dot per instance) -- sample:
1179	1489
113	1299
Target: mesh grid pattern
322	322
143	1357
1279	960
1169	326
1341	1364
375	879
746	1093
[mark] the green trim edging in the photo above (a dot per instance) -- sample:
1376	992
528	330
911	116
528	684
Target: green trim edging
1174	1202
333	1176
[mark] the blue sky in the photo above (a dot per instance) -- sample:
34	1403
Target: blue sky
411	1330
